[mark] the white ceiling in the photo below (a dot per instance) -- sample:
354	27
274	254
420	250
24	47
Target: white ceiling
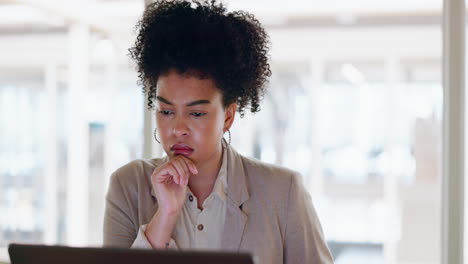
120	16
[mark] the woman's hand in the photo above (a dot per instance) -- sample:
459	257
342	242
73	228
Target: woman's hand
170	183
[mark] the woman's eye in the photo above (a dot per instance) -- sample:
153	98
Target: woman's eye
165	112
197	114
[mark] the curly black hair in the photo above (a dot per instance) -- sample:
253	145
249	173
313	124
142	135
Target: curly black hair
200	38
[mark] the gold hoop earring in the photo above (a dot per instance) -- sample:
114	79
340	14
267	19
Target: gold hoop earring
155	137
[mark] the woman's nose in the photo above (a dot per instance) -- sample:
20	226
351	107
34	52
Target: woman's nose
180	128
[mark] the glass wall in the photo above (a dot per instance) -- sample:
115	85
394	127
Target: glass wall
34	142
364	128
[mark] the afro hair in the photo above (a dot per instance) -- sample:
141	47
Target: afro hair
201	38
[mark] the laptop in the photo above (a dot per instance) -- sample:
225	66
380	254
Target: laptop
41	254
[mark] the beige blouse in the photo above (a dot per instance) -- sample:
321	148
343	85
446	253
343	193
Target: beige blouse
195	228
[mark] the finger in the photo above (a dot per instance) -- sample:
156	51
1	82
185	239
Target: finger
175	175
191	165
159	175
165	174
162	176
180	170
168	180
186	174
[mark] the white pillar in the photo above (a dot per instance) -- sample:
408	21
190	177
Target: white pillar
390	181
110	139
453	131
111	70
316	184
78	156
50	229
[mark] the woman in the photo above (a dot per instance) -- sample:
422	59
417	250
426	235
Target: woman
200	65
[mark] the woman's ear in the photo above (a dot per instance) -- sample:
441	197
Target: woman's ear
229	116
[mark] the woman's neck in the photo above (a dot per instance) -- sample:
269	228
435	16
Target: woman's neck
202	183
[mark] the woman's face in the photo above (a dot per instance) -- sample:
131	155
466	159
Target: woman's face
190	117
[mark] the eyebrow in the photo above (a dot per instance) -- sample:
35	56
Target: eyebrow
196	102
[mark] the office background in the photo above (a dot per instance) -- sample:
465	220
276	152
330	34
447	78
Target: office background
354	104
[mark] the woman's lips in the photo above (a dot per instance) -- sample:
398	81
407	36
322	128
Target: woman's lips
181	149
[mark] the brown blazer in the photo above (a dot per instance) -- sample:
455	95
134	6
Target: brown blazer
268	211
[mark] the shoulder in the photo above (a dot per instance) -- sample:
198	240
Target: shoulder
271	179
271	172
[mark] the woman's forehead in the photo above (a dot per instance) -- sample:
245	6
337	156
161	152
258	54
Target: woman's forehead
183	89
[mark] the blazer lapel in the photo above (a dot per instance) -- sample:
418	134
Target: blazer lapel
233	227
237	194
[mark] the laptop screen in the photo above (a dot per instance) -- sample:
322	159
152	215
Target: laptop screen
41	254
